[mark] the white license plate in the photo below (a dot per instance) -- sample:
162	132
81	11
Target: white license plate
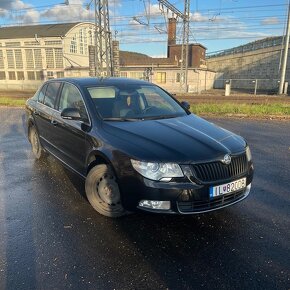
227	187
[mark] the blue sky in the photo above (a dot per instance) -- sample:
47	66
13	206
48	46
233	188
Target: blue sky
140	25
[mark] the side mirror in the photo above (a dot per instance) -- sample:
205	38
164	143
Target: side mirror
71	114
185	105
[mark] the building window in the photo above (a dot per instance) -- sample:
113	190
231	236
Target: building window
10	58
161	77
30	75
60	74
136	75
33	58
123	74
177	79
53	42
58	57
91	37
18	58
31	43
38	75
1	59
12	44
50	75
37	58
20	75
73	45
2	75
29	59
81	41
49	58
86	41
12	75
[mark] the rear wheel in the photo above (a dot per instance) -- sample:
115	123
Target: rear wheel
103	192
37	149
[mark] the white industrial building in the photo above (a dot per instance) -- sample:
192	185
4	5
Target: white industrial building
31	54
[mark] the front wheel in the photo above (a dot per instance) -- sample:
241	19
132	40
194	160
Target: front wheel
103	192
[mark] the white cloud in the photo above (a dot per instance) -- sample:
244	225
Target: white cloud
154	10
18	4
14	4
3	13
198	17
73	12
114	4
270	21
136	25
31	16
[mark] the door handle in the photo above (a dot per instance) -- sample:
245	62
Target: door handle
53	122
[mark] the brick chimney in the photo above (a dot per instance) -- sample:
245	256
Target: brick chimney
171	31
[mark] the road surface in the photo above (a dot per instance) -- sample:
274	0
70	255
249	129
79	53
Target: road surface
51	238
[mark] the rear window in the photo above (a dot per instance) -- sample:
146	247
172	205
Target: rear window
102	92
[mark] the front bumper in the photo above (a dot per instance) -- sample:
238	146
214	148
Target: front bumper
185	197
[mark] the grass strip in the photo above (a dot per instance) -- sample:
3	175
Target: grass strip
12	102
252	110
218	109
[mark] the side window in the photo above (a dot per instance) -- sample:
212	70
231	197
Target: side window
71	98
42	94
51	94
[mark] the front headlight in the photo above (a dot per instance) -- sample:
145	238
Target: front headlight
157	171
248	153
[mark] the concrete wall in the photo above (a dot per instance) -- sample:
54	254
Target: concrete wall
243	68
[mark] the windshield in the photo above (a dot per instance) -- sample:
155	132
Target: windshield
134	102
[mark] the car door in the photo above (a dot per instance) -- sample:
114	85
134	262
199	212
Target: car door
43	114
69	135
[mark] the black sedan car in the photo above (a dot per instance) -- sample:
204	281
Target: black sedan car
137	147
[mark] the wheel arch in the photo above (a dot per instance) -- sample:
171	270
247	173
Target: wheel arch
97	158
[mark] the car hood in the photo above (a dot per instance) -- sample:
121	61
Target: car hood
181	139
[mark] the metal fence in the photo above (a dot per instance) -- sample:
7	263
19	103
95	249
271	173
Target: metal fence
252	86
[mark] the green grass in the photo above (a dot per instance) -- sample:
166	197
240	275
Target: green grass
218	109
251	110
12	102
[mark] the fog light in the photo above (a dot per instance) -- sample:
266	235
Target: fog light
155	204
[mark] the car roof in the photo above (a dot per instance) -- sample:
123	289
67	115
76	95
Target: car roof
111	81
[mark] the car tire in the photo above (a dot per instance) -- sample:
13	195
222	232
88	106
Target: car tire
103	192
37	149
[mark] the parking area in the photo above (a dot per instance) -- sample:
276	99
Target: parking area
51	238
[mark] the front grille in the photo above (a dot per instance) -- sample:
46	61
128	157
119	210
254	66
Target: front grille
215	171
209	204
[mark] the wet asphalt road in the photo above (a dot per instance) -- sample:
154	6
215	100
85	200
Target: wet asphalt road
50	237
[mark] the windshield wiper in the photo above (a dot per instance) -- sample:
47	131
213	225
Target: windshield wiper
123	119
160	117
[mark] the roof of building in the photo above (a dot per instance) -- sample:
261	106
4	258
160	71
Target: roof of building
42	30
190	45
128	58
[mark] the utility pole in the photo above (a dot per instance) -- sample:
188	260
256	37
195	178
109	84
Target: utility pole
103	40
184	48
185	39
285	55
